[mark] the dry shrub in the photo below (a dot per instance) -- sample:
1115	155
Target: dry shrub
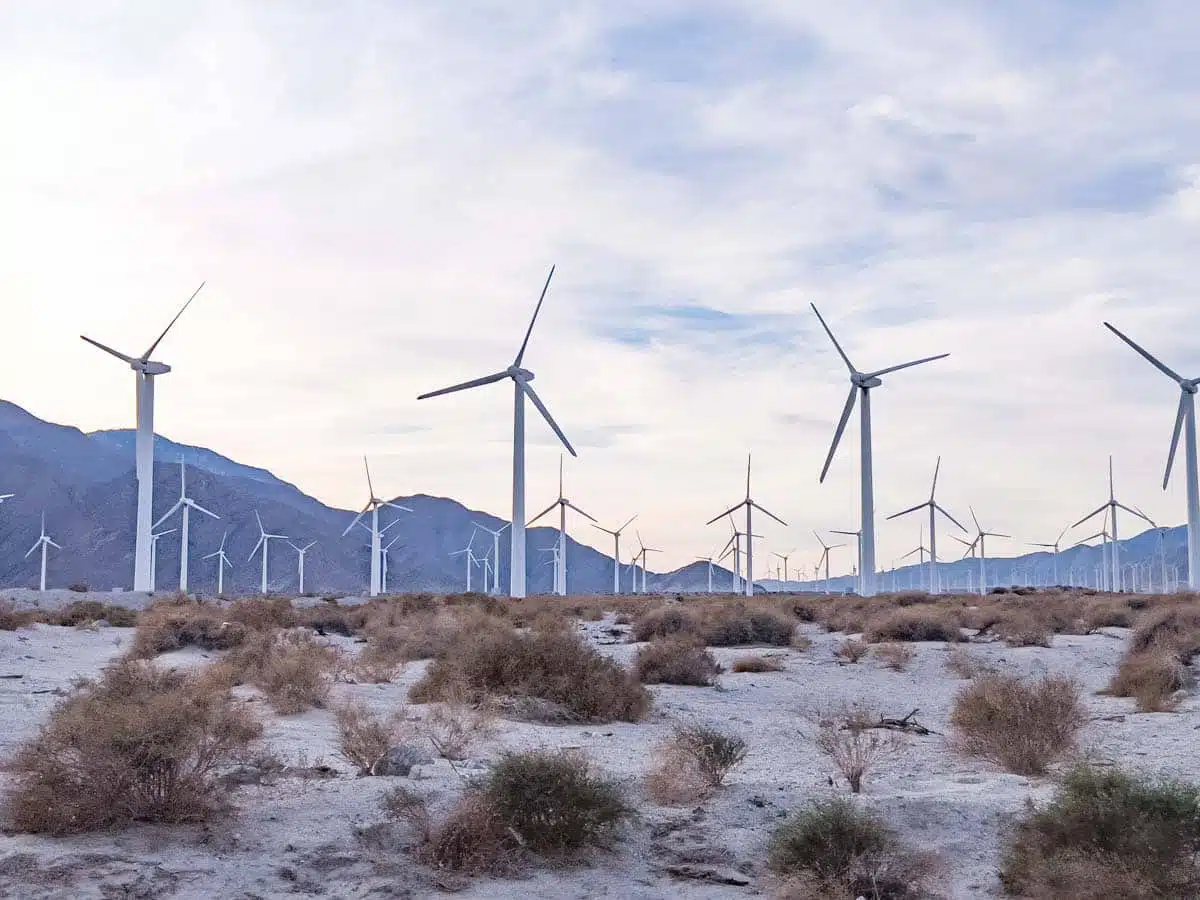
717	625
171	626
456	724
664	622
852	651
1155	678
1021	726
676	660
757	664
292	669
1107	614
472	838
897	657
845	735
914	624
558	667
835	850
1023	629
965	664
12	618
1108	833
713	752
364	738
1176	628
262	613
139	744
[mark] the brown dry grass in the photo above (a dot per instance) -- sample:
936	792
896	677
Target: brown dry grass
1020	725
757	664
897	657
962	662
678	659
717	624
293	669
846	736
138	745
917	623
456	724
365	737
852	651
693	763
1155	678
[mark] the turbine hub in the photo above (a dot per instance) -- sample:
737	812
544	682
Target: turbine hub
866	382
150	367
520	374
1189	387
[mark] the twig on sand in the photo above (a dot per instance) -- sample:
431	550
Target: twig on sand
908	724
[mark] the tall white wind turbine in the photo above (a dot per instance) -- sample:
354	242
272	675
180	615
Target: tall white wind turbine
264	541
186	504
301	552
44	542
1185	421
1110	507
824	560
642	551
145	369
750	505
863	383
563	504
383	563
495	553
785	557
709	560
470	554
616	536
521	389
373	506
934	508
980	541
222	562
1054	550
155	537
858	553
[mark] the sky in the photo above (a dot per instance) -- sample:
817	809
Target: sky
374	193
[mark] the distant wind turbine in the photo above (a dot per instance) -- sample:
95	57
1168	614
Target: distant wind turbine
383	564
642	551
372	506
186	504
858	552
563	504
750	506
1185	421
300	553
785	557
824	560
709	560
863	382
264	541
222	562
1110	507
154	539
981	537
1054	547
616	535
919	551
934	508
521	389
495	553
44	542
145	370
4	497
470	560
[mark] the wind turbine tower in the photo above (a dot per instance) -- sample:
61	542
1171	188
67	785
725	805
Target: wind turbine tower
222	562
300	554
750	506
495	552
372	506
934	508
563	504
616	536
186	504
1110	507
44	542
264	541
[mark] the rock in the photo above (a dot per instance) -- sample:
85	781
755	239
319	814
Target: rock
400	760
711	874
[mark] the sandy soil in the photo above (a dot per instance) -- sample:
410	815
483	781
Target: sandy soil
318	837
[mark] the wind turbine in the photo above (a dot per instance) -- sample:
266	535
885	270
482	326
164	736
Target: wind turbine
154	538
222	562
145	370
642	551
981	537
750	505
372	506
300	552
934	508
709	560
383	563
495	553
44	542
264	541
1054	547
863	382
1185	420
1110	507
187	504
785	557
470	559
521	389
920	550
1162	555
824	560
858	550
617	554
560	573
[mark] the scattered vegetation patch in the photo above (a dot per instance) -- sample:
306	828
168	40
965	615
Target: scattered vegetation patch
138	745
364	737
845	734
914	623
171	626
293	669
757	664
852	651
1155	678
676	660
717	625
1020	725
1108	833
897	657
457	724
693	763
965	664
12	619
1023	629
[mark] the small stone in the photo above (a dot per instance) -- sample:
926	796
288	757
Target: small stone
400	760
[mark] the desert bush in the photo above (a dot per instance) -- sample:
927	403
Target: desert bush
471	839
262	613
852	651
456	724
897	657
1176	628
364	737
139	744
120	616
292	669
1126	835
12	618
845	735
1021	628
675	660
1107	614
171	626
664	622
735	626
1153	677
835	850
558	667
757	664
965	664
81	612
713	752
913	623
1021	726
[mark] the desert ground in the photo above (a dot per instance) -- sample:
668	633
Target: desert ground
312	826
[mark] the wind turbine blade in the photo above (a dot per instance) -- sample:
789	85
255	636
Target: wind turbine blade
199	508
938	507
837	435
818	537
466	385
537	401
211	555
747	476
398	505
505	525
627	524
36	544
1036	544
580	511
1135	512
537	309
978	527
728	547
350	527
837	346
370	486
911	509
851	533
52	544
117	353
1179	418
254	552
767	512
936	469
907	365
605	530
258	519
171	324
170	512
1102	509
727	512
545	511
1145	354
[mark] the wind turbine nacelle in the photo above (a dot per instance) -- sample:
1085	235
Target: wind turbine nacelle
867	381
150	367
520	374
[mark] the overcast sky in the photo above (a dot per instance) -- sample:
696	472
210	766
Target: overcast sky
375	192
